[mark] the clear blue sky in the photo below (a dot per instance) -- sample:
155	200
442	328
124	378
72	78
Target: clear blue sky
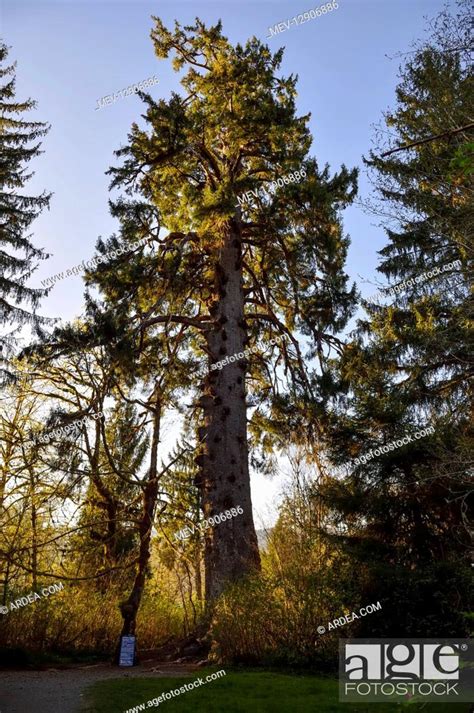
71	52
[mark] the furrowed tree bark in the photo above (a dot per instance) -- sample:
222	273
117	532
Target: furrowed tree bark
231	549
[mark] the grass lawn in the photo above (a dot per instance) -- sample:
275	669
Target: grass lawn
246	692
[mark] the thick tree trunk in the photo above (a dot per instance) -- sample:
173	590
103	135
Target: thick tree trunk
231	549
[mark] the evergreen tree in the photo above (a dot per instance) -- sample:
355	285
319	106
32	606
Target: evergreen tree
232	274
18	255
403	512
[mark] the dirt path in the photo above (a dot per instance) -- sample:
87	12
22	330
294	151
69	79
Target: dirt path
62	691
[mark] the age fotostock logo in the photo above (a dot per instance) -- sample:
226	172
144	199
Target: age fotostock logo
378	670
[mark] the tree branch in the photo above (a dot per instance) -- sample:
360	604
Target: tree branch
430	138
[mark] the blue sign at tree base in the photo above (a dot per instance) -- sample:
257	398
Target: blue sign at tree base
127	651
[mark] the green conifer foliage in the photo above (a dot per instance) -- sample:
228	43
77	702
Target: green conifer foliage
230	276
404	513
18	255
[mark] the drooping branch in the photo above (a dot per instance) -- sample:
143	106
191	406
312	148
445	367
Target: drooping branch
451	132
178	319
274	319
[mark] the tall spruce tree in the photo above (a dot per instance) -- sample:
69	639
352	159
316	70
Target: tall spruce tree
404	512
18	255
229	276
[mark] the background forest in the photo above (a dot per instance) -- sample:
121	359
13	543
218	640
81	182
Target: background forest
117	432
